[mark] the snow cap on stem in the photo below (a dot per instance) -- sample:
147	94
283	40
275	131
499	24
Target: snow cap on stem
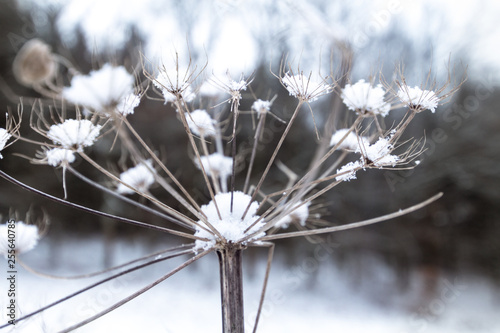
230	224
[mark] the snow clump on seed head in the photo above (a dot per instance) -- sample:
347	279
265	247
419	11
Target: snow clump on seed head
362	97
230	225
100	89
74	134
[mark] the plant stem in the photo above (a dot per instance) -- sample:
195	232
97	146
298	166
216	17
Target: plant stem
231	282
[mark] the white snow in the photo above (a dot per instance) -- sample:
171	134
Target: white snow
128	103
200	123
348	171
217	164
139	177
380	153
101	88
24	236
298	213
308	294
418	98
57	156
4	137
261	107
351	141
172	82
362	97
230	223
73	133
304	87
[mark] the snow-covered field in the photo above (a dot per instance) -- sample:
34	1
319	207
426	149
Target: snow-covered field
304	296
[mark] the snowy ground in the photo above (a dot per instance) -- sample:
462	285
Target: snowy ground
309	295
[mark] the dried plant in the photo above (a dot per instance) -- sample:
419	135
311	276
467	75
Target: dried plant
231	218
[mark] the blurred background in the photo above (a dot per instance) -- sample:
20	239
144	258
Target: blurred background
406	263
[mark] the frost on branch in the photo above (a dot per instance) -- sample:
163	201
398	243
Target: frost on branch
362	98
26	238
100	89
230	224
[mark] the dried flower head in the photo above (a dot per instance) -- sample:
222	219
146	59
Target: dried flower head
59	156
128	103
74	134
231	221
175	84
261	107
347	140
363	98
418	99
34	63
101	89
217	164
232	87
26	237
379	153
201	124
303	87
139	178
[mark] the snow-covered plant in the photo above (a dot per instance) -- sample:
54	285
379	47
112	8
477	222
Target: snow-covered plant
236	209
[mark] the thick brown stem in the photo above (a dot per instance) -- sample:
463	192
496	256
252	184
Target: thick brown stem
231	282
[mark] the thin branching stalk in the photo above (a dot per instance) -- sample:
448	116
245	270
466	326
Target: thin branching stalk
168	209
107	270
353	225
98	283
93	211
137	293
128	200
266	279
276	150
258	131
